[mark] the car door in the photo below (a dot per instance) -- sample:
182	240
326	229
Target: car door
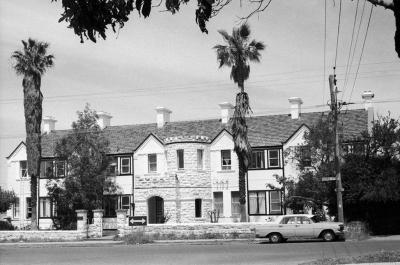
304	227
287	227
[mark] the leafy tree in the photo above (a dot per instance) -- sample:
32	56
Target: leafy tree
85	150
370	175
31	63
371	178
7	198
309	191
237	53
89	18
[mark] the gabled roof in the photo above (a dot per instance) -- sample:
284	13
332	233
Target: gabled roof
270	130
16	148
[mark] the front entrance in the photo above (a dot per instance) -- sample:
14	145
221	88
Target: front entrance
156	210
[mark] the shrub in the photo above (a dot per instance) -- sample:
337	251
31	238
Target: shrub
139	237
4	225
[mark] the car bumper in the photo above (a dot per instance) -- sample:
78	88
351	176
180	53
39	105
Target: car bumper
340	235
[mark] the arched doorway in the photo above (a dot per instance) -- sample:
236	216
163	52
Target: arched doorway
156	210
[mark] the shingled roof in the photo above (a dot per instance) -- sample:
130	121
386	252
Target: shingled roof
270	130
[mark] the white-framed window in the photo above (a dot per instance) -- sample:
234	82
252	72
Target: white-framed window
305	155
275	202
152	162
113	165
257	202
226	161
16	209
46	209
235	208
200	159
181	158
219	203
273	158
125	165
257	159
197	208
23	169
28	208
60	169
125	202
47	169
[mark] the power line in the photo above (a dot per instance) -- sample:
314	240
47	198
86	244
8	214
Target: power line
337	38
356	42
362	50
351	44
324	86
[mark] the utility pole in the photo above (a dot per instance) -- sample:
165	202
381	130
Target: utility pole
335	112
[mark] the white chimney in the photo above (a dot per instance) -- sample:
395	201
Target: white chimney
49	124
295	107
104	119
163	116
226	111
367	97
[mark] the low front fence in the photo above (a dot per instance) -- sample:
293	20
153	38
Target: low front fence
41	236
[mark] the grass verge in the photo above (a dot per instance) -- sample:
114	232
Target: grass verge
381	256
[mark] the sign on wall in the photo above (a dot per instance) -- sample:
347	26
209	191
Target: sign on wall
137	220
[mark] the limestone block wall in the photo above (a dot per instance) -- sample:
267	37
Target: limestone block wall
23	235
178	187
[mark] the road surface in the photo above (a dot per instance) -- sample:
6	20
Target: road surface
216	253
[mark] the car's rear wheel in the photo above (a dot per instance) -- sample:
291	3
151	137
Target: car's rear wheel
275	238
328	236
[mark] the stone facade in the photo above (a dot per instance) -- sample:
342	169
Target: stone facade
177	187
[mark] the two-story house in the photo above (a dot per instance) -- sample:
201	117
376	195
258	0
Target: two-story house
179	171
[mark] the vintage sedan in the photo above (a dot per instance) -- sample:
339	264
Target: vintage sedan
299	226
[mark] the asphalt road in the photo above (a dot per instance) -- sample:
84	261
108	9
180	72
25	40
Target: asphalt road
216	253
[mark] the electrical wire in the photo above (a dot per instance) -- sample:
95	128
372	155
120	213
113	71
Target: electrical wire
351	44
362	51
337	38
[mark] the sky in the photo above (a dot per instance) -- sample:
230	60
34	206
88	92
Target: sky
166	61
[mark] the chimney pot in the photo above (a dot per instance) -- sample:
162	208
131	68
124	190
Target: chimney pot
367	96
295	107
49	124
163	116
104	119
226	111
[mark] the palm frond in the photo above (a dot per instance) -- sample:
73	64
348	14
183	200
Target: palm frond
244	31
32	59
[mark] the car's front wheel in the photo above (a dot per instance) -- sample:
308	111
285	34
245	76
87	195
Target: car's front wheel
328	236
275	238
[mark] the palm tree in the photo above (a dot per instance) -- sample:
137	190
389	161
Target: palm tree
237	54
32	63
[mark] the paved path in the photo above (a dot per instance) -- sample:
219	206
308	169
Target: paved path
204	253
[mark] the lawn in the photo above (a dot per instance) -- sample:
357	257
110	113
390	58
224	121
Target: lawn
381	256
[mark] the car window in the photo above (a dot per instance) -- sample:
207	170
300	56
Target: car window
303	220
288	220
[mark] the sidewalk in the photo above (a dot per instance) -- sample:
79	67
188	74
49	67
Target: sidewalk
108	241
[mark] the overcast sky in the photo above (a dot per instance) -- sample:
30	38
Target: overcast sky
166	61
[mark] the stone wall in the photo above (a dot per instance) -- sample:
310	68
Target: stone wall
178	187
193	230
52	235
